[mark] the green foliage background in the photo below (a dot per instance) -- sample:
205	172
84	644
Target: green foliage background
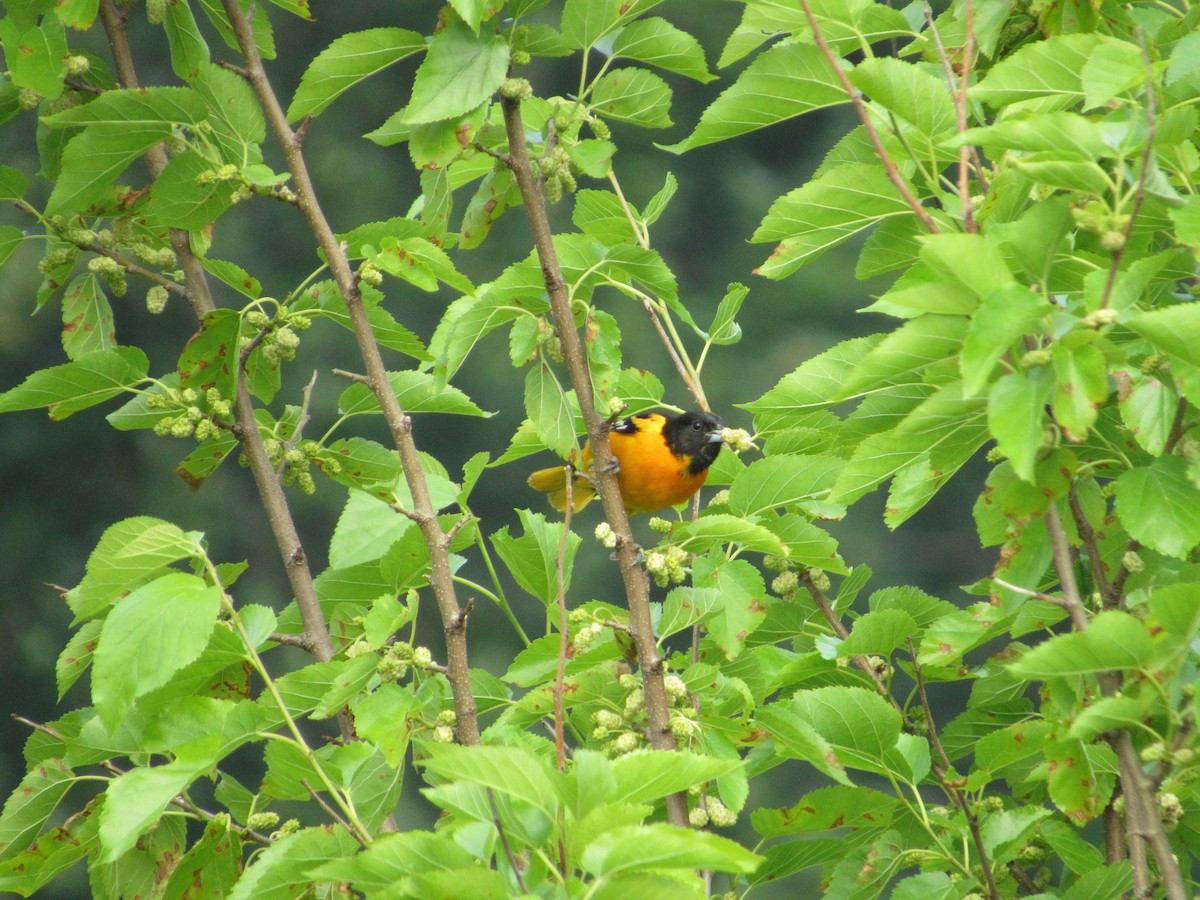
1050	313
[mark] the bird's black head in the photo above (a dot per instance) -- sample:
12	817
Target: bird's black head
696	435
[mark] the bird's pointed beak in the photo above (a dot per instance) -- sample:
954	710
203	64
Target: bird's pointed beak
714	437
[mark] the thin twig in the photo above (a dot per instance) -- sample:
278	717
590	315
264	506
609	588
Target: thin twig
675	358
960	107
1064	567
1060	602
512	859
864	116
333	813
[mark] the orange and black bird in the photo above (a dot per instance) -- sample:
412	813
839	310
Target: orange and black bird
663	460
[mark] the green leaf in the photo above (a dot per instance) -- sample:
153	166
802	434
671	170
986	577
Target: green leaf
1047	74
32	803
1080	386
87	318
91	379
511	771
741	609
211	867
1081	776
860	726
782	481
417	392
189	51
816	384
716	529
136	800
783	82
1111	69
150	635
827	808
879	632
127	553
584	22
1160	506
1114	641
648	775
633	95
657	42
420	262
548	408
55	852
912	93
806	544
724	329
210	357
825	212
1175	329
1003	317
36	56
460	71
1103	883
497	192
178	199
1016	416
282	870
347	61
1148	409
533	558
661	846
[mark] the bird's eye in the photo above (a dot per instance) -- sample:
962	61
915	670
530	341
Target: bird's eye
697	426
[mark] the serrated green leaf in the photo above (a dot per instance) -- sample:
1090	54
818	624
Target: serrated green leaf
1004	316
659	43
460	71
87	318
532	558
1160	506
346	61
1046	74
511	771
782	481
910	92
548	409
716	529
662	846
36	55
76	385
1016	416
633	95
1175	329
825	212
417	392
725	329
785	81
189	50
150	635
32	803
283	868
879	633
1113	641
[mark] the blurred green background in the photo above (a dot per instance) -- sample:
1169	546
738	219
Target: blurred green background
63	483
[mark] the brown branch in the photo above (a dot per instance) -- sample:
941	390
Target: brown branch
636	582
245	428
333	813
512	859
1087	534
400	424
864	117
1064	567
960	105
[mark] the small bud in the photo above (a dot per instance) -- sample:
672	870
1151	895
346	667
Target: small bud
156	299
443	734
448	717
1099	318
625	743
422	657
156	11
698	817
785	583
738	439
262	820
1034	358
1134	563
674	687
660	525
1113	241
28	98
77	65
606	536
817	578
516	89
